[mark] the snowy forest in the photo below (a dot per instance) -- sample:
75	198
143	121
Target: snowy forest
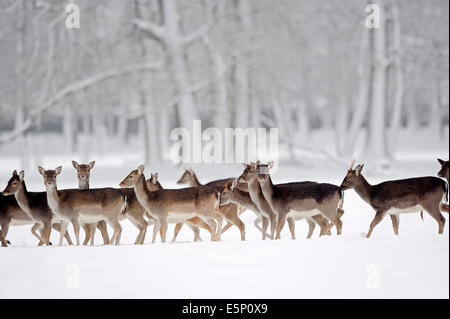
134	70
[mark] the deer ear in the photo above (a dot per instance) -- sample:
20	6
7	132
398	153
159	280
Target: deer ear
141	169
155	176
41	170
234	183
14	173
92	164
75	164
442	162
58	170
21	175
358	169
270	165
245	165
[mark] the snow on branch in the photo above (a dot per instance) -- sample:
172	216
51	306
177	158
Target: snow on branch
70	89
154	29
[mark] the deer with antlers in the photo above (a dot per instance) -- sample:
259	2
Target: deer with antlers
398	196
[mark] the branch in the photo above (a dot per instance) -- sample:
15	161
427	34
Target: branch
155	30
197	34
71	89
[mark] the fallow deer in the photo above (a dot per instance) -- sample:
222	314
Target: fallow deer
83	176
444	172
232	193
35	207
175	205
300	200
230	211
398	196
87	206
249	177
193	223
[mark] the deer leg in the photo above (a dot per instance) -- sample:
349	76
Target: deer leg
323	224
434	211
57	227
227	226
176	230
46	233
195	229
64	224
92	228
395	222
280	224
76	230
265	225
334	220
233	219
378	218
163	229
155	230
101	225
311	227
118	228
291	224
273	225
34	230
212	225
3	233
87	233
218	236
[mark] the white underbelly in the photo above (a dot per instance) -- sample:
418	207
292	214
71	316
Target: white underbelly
412	209
89	219
302	214
175	218
20	222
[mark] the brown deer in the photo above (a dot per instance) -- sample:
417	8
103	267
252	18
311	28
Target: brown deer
230	211
300	200
232	193
193	223
83	175
87	206
444	172
35	207
249	177
175	205
398	196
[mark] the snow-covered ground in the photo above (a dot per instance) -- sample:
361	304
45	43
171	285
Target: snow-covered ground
412	265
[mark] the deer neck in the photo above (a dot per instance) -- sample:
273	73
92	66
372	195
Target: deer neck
364	189
254	189
83	184
142	192
53	198
22	198
194	182
267	189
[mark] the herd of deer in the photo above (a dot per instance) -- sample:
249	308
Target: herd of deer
144	202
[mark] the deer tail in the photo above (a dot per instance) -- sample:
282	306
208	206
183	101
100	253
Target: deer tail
125	205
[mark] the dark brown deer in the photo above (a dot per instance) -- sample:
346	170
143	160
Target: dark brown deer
175	205
83	176
230	211
35	207
232	193
444	172
398	196
300	200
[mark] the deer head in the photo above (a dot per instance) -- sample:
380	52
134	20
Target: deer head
132	178
50	176
353	177
248	173
83	170
14	183
263	171
153	183
227	192
187	177
444	171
